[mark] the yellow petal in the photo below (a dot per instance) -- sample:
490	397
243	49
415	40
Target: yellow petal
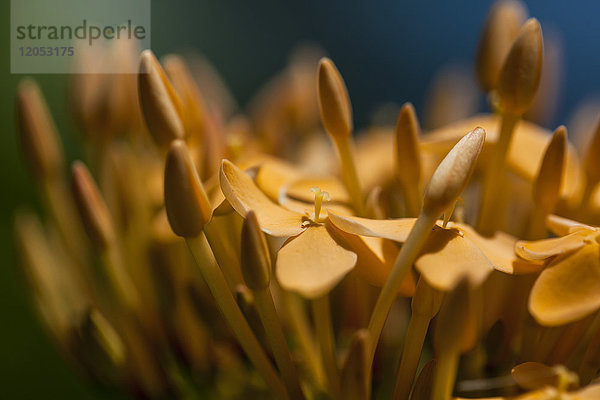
524	154
591	392
500	250
375	149
562	226
273	175
393	229
313	262
300	189
376	258
244	195
447	257
547	393
568	289
546	248
220	205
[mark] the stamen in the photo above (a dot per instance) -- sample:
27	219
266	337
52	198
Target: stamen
320	196
566	378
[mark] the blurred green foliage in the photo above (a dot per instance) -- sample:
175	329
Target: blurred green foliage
30	365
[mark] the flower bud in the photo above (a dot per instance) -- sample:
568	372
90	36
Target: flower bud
520	74
500	30
408	160
546	189
334	104
591	167
161	106
92	208
187	205
39	139
453	173
255	258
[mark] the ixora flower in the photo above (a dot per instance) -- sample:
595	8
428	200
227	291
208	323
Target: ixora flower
568	288
453	250
316	258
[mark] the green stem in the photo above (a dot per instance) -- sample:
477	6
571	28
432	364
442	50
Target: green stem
490	210
445	374
299	323
412	199
224	252
325	335
349	174
217	284
411	352
274	332
407	256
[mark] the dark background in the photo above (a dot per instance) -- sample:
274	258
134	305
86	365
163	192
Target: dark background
386	51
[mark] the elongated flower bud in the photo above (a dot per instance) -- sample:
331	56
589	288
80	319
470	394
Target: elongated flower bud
105	104
92	209
184	83
546	189
453	173
39	139
520	74
256	261
500	30
187	205
591	166
408	160
45	276
161	106
334	104
98	337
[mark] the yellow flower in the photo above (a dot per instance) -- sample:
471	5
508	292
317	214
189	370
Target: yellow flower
315	259
278	182
523	159
568	288
451	252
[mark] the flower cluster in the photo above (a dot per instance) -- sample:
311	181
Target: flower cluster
204	252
